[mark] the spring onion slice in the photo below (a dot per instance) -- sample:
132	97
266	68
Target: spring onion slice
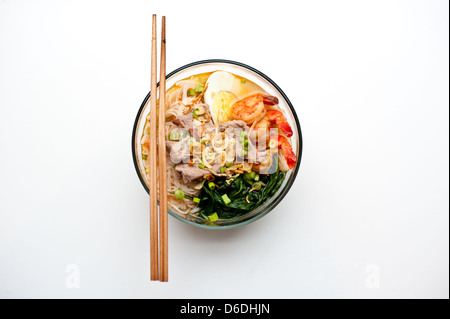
174	135
226	199
213	217
179	194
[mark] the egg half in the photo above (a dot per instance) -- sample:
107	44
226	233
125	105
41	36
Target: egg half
222	90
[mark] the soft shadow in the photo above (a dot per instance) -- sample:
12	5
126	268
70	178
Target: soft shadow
217	235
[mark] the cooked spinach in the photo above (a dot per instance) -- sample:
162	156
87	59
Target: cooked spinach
243	198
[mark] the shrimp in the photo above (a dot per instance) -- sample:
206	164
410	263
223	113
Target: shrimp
282	143
250	108
277	117
269	119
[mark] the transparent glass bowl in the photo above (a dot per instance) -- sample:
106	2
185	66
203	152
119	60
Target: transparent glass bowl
265	83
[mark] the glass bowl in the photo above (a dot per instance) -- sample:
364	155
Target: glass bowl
265	83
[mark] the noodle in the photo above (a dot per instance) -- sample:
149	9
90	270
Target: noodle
185	206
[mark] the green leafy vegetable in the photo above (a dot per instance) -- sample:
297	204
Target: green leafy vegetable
233	198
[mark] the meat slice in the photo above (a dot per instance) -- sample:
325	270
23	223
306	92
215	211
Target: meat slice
190	173
257	156
185	121
234	125
169	145
178	151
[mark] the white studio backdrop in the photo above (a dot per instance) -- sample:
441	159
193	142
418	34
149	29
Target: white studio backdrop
366	218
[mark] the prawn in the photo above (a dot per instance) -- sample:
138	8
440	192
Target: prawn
282	143
250	108
277	117
269	119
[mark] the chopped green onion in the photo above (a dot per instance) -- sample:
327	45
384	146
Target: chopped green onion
179	194
226	199
201	165
199	110
203	140
229	164
223	170
196	200
256	177
249	176
243	133
195	113
191	92
242	139
244	152
243	81
211	185
213	217
190	141
245	143
174	135
144	157
257	185
199	89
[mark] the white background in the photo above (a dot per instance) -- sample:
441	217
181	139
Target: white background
366	218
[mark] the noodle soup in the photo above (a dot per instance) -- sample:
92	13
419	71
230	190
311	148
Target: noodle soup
228	147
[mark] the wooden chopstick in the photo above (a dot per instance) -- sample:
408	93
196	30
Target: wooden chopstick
163	248
154	271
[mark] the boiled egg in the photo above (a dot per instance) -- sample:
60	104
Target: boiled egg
222	90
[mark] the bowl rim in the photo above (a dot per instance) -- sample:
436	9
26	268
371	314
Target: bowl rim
297	122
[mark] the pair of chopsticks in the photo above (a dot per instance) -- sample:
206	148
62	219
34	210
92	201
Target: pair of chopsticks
158	267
